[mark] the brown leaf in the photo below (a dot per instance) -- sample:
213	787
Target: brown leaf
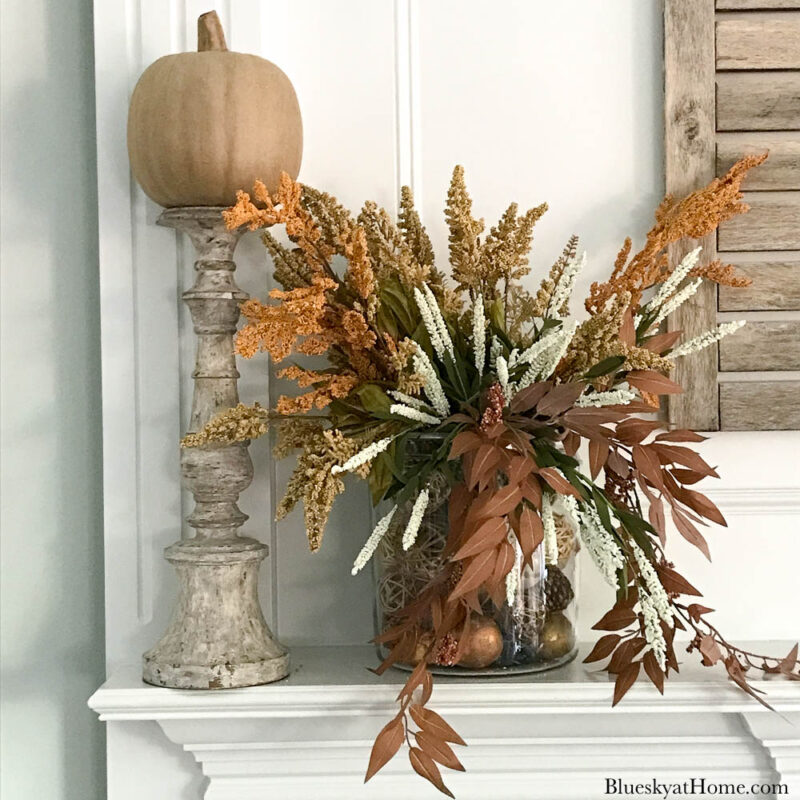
686	476
571	443
427	687
487	457
674	454
655	513
430	721
496	503
788	664
399	652
532	491
489	534
627	330
625	653
438	750
736	674
634	431
674	582
646	380
558	482
646	461
387	743
559	399
464	636
662	341
515	439
424	765
624	681
527	398
654	672
710	650
690	533
519	467
464	442
504	564
530	533
618	618
603	648
680	435
414	680
702	505
460	500
475	573
617	464
598	455
471	599
695	611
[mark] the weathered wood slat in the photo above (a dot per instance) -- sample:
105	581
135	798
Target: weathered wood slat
689	156
760	405
758	101
747	5
781	171
762	346
775	287
773	223
758	41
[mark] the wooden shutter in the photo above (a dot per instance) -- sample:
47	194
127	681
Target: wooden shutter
732	87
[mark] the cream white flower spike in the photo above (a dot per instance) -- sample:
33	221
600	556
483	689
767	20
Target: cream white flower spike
502	376
566	283
434	322
479	334
371	545
432	386
620	396
363	456
676	278
605	552
677	300
414	414
706	339
512	579
415	520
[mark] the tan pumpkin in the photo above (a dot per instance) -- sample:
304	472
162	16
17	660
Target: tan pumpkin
202	125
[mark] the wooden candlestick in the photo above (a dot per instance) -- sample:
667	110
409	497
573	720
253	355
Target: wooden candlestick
218	637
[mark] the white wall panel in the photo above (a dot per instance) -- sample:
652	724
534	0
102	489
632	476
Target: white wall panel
545	101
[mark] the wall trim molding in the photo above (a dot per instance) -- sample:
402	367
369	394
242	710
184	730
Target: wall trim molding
761	500
408	122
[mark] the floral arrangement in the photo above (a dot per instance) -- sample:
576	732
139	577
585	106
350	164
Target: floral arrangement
512	388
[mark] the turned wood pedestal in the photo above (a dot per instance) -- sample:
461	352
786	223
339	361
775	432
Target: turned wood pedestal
218	637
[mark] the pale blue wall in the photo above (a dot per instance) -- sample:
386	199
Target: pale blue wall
51	493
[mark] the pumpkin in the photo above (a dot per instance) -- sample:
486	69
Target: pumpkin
202	125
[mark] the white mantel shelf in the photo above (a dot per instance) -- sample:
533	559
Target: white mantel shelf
549	735
338	681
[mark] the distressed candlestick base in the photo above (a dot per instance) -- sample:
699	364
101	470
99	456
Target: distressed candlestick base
218	638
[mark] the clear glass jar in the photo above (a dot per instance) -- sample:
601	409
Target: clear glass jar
536	632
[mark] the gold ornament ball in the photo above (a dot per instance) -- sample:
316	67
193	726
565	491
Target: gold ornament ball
485	644
557	637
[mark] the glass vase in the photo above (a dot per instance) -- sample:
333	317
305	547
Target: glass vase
535	632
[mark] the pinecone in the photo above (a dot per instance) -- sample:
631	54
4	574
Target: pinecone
557	590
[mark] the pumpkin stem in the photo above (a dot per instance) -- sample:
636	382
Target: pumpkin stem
210	35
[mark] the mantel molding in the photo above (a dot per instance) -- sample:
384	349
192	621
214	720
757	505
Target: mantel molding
550	735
